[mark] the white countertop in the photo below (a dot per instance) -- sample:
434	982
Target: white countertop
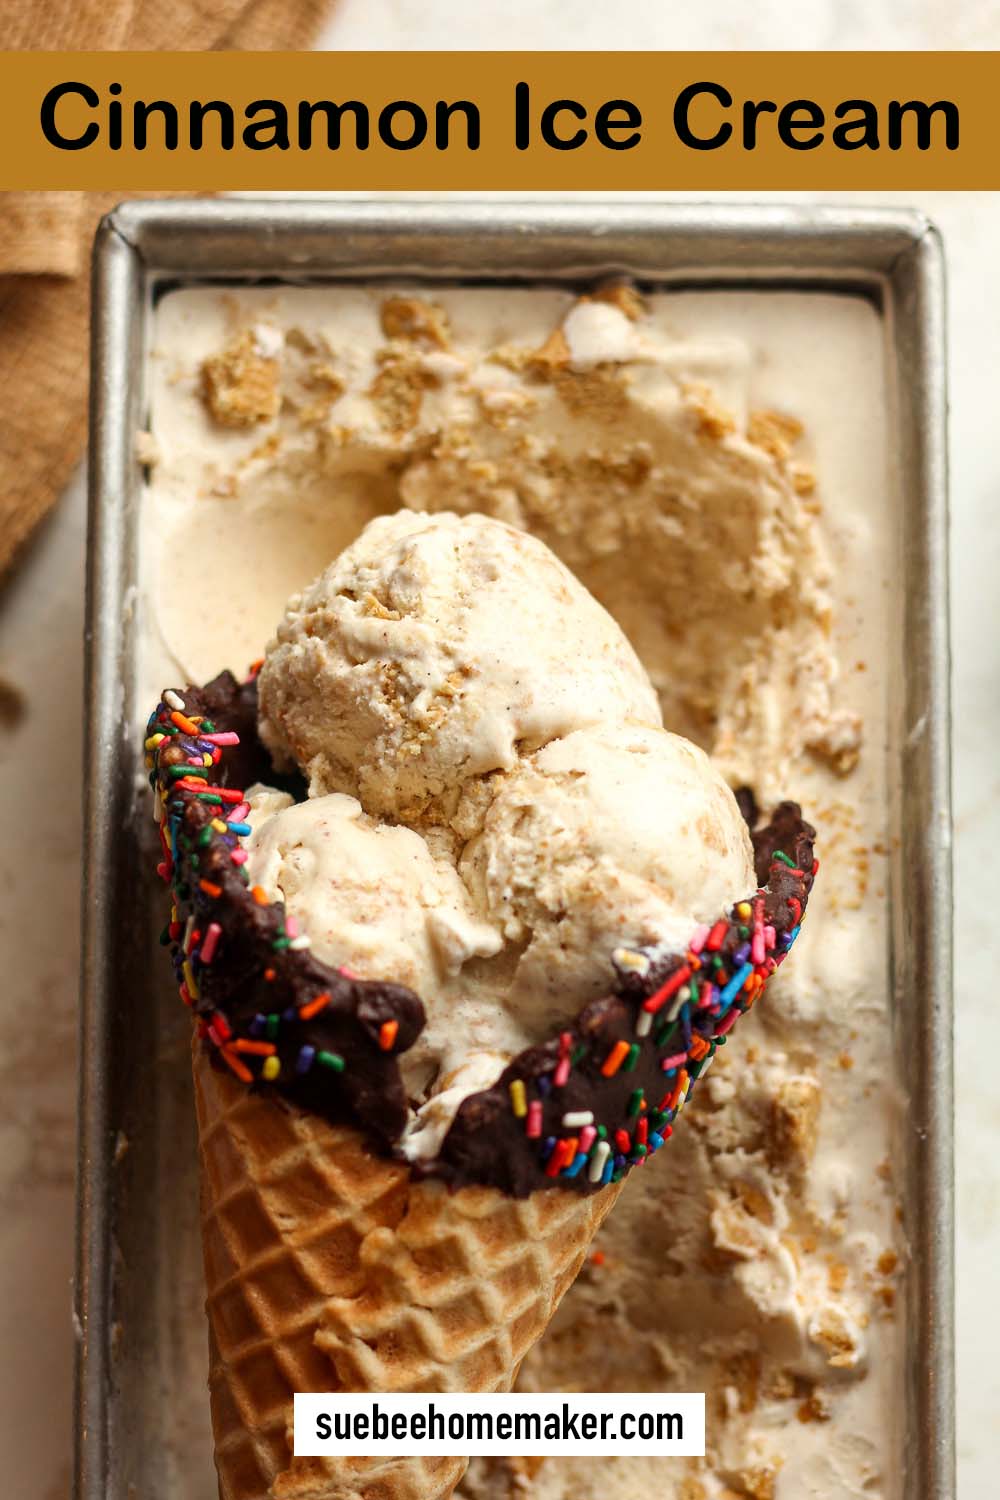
41	615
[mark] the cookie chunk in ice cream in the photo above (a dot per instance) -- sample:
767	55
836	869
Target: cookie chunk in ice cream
433	650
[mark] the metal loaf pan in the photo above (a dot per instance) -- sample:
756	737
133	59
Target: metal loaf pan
141	1419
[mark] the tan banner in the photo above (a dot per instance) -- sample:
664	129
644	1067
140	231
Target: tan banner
452	120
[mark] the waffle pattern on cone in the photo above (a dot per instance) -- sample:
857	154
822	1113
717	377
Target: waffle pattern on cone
331	1268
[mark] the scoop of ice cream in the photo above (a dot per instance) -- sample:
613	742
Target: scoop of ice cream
453	665
434	649
370	895
617	834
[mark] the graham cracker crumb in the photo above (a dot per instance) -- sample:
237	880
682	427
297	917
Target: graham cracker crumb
553	355
774	432
322	376
373	606
794	1123
414	319
594	393
837	1276
511	357
803	481
327	385
735	1233
841	758
815	1408
832	1332
241	387
758	1482
781	1385
503	408
398	391
794	1248
270	446
713	420
755	1202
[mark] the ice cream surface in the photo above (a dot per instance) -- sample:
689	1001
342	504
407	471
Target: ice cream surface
431	651
713	467
586	422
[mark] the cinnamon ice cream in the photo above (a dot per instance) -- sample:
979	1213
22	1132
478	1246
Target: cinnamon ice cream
430	651
441	667
615	835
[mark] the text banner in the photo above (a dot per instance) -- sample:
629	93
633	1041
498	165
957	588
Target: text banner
501	120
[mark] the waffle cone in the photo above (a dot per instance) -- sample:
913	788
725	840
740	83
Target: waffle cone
329	1268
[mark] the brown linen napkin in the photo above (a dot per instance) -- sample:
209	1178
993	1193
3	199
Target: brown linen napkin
45	237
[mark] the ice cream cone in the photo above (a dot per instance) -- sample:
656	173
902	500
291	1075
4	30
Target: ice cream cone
332	1263
330	1268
